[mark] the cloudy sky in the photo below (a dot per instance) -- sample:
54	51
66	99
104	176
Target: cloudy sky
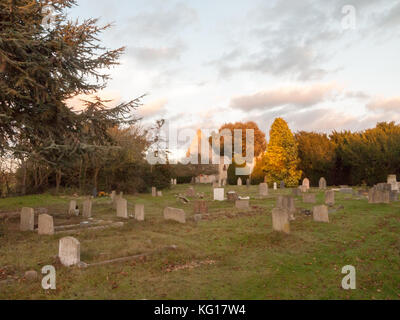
203	63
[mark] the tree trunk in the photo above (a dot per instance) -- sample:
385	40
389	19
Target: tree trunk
95	177
58	180
24	169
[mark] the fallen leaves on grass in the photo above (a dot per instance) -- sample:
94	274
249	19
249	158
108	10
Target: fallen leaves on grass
190	265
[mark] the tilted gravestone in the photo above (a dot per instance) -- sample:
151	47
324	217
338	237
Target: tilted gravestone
219	194
122	208
280	220
322	183
330	197
232	196
69	251
72	208
263	189
306	183
139	212
309	198
242	204
200	206
321	213
46	225
27	219
87	208
175	215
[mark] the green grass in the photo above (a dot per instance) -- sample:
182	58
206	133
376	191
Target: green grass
249	260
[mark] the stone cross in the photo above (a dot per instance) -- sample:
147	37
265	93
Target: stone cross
27	220
69	251
46	225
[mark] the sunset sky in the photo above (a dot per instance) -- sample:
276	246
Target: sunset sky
204	63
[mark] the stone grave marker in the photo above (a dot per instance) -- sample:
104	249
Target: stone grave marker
263	189
346	190
69	251
232	196
139	212
122	208
322	183
275	186
242	204
191	192
280	220
239	182
159	194
72	208
330	197
321	213
309	198
306	183
46	225
219	194
174	214
87	208
27	219
154	192
392	180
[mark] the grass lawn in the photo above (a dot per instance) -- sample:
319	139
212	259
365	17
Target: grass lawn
230	254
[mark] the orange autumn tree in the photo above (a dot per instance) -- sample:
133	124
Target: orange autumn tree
280	162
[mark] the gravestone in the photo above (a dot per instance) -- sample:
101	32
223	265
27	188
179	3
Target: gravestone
69	251
139	212
239	182
330	197
282	186
275	186
322	183
154	192
113	195
376	196
263	189
175	215
287	203
296	192
306	183
346	190
383	187
303	189
46	225
200	206
232	196
242	204
190	192
72	208
219	194
309	198
159	194
280	220
321	213
27	219
394	196
87	208
122	208
392	180
175	181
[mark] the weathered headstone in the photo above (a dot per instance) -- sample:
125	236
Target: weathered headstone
287	203
263	188
322	183
159	194
113	195
175	181
232	196
303	189
219	194
190	192
321	213
376	196
239	182
275	186
72	208
46	225
200	206
306	183
69	251
309	198
139	212
175	215
280	220
392	180
242	204
27	220
154	192
330	197
394	196
87	208
122	208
